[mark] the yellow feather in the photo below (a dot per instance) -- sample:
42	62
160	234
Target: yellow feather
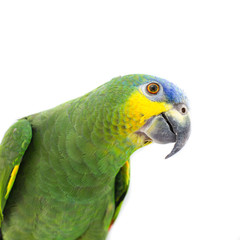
12	179
139	109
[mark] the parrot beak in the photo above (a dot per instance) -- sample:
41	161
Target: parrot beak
171	126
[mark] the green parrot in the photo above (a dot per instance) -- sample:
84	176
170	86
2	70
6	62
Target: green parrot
64	172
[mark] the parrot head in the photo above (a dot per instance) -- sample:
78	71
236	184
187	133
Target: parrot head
151	109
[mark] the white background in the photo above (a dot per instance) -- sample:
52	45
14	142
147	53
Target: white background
54	51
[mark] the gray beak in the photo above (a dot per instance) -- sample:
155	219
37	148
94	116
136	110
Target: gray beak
171	126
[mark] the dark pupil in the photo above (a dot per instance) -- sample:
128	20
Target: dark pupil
153	88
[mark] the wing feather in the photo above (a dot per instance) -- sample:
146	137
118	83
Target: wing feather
14	144
121	188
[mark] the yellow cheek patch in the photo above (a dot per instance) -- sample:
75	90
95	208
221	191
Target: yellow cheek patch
12	179
139	109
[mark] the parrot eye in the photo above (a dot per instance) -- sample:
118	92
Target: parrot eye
153	88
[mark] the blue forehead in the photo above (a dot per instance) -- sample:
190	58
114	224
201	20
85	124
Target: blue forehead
173	93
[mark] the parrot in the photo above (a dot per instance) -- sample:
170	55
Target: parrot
65	172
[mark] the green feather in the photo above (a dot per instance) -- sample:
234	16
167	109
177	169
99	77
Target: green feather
12	149
73	175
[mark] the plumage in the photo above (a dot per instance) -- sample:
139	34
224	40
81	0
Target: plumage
74	161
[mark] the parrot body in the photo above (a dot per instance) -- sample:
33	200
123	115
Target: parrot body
65	172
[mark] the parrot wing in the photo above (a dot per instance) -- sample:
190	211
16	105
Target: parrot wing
121	188
14	144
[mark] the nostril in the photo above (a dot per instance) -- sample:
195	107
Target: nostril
184	110
181	108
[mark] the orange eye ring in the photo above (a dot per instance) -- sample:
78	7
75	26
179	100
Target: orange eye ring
153	88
